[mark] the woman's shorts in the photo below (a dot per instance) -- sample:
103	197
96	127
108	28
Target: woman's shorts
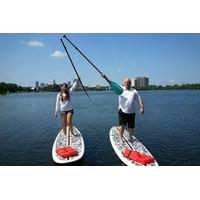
63	113
125	118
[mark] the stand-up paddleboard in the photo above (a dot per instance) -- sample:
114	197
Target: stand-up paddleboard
75	141
136	145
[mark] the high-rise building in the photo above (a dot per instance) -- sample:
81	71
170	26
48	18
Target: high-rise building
134	82
140	82
37	85
54	82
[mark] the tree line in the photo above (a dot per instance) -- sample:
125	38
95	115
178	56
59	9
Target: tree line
195	86
11	87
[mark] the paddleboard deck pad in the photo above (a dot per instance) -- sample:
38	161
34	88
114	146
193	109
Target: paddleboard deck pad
75	141
135	145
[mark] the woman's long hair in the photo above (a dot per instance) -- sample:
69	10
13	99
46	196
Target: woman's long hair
66	92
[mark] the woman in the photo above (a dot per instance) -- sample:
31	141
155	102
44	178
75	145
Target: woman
64	104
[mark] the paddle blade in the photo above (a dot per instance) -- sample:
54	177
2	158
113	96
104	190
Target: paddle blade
116	88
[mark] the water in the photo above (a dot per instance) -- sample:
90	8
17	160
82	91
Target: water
170	127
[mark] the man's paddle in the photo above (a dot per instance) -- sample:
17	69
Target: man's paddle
114	86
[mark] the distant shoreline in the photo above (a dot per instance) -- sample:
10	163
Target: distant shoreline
6	88
32	92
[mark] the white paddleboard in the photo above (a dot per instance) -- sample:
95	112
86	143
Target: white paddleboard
135	145
75	141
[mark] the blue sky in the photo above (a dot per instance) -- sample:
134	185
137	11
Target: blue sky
164	58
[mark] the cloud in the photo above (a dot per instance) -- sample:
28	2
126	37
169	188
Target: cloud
58	54
35	43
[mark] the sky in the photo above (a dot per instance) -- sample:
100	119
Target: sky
166	59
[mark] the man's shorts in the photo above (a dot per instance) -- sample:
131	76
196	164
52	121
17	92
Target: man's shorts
125	118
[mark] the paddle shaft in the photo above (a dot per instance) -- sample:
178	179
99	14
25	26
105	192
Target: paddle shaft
74	68
69	58
128	145
87	59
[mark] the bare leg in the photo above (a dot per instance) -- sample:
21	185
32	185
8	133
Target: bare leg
130	130
69	122
121	132
64	124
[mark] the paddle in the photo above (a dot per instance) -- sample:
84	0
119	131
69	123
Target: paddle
114	86
129	146
74	68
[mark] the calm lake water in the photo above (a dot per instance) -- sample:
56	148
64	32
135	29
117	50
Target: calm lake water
170	127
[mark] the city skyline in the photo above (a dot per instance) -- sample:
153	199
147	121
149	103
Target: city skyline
166	59
135	81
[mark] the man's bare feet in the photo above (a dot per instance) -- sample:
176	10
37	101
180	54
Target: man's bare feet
65	135
121	142
73	134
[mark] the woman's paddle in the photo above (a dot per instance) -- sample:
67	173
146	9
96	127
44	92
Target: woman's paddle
74	68
114	86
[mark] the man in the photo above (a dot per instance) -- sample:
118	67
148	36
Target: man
126	109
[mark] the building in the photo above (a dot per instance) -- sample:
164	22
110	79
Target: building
54	82
140	82
37	86
133	82
69	84
42	85
98	87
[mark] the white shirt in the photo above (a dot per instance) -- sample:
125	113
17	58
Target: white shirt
126	100
65	105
